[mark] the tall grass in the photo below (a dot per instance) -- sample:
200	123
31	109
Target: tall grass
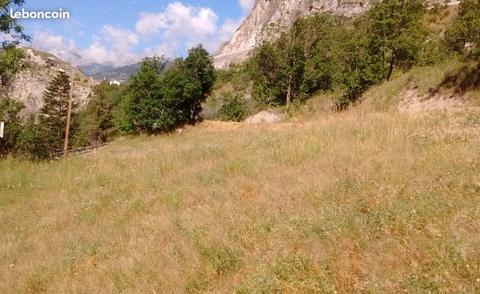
367	202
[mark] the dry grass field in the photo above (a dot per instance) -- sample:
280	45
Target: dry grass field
353	202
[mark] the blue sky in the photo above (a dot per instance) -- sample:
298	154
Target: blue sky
120	32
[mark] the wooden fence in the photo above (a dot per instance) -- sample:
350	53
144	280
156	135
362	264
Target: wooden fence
78	151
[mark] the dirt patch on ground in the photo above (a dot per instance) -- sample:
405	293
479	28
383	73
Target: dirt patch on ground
220	125
412	102
264	117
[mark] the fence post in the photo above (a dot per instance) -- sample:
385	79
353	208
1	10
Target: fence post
2	127
69	115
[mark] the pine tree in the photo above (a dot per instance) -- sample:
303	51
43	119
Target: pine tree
95	124
53	114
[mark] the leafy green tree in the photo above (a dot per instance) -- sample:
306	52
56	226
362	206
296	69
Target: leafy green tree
293	67
464	34
10	114
96	124
321	36
31	143
277	70
160	99
53	114
267	74
301	62
390	36
10	26
182	95
359	69
143	105
396	33
10	57
11	62
234	108
199	69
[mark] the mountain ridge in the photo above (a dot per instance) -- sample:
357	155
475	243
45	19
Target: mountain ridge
101	72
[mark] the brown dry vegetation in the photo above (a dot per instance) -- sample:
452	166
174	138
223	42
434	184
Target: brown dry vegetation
360	201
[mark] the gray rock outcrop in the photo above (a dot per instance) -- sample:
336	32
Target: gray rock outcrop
40	69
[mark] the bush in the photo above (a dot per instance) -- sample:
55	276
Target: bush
10	114
31	142
96	123
11	62
464	34
234	108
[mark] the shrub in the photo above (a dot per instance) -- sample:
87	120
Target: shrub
31	142
10	114
96	124
234	108
464	34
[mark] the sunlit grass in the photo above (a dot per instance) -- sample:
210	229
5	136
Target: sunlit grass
354	201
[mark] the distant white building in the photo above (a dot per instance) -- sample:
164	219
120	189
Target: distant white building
115	82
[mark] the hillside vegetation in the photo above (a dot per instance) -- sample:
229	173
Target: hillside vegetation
362	200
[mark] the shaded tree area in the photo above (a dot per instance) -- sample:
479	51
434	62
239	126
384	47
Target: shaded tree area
11	58
41	135
11	62
325	52
463	37
299	63
96	123
159	99
10	114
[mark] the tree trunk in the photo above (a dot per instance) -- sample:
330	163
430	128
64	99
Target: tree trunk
289	91
390	70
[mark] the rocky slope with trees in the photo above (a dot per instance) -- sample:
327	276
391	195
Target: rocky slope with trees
269	17
38	69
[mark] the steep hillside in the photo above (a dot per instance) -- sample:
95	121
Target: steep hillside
281	14
40	68
272	16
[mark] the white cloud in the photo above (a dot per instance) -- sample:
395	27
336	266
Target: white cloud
119	38
55	44
179	20
228	28
246	5
179	25
167	32
117	53
5	37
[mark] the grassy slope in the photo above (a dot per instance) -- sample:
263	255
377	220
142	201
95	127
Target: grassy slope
355	201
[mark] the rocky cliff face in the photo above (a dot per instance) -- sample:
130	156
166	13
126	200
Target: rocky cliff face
40	69
279	14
